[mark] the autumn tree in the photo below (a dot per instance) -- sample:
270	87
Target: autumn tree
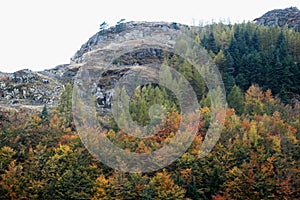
64	107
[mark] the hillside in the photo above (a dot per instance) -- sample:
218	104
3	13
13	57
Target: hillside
26	87
30	88
65	135
289	17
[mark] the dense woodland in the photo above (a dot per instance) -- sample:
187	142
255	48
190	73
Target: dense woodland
257	156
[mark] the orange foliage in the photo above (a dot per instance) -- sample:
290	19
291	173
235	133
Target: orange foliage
218	197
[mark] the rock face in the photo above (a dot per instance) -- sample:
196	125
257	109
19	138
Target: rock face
109	55
289	17
124	32
34	89
25	87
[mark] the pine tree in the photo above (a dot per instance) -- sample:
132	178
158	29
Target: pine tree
211	43
236	99
45	115
228	81
242	81
254	44
278	74
228	65
64	107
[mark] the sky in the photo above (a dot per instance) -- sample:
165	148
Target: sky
41	34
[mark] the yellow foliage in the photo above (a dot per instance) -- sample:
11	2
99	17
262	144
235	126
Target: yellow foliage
102	189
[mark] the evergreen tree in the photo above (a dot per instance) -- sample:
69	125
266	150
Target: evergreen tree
103	26
242	81
295	70
251	69
64	107
45	115
228	81
278	74
254	44
210	43
236	99
229	64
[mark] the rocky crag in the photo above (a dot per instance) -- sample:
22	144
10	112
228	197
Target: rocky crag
289	17
29	88
26	88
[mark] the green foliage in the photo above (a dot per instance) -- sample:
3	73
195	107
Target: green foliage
235	99
145	97
45	115
64	107
6	158
252	54
103	26
163	187
256	157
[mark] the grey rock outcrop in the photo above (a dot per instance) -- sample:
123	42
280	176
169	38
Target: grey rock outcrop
115	56
126	31
26	87
34	89
289	17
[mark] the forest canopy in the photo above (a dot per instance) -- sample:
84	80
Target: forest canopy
256	157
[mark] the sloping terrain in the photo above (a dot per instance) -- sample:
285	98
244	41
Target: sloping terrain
25	87
289	17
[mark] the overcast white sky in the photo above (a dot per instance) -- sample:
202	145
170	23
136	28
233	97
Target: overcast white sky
39	34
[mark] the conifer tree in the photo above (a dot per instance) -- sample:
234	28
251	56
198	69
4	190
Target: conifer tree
236	99
45	115
64	107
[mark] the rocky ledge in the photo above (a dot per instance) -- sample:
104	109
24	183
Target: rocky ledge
26	87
